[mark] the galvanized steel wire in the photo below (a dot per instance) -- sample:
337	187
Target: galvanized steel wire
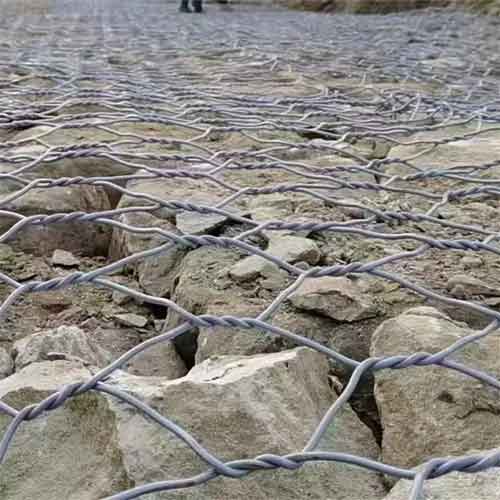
75	65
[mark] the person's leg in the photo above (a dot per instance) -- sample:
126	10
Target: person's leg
198	7
184	6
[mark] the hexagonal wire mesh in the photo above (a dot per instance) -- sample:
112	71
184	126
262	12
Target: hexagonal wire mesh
305	100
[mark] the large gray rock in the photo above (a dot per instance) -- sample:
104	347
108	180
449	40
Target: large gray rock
162	360
100	165
338	298
474	150
187	191
132	320
236	406
213	292
77	237
219	341
464	286
70	453
350	339
66	340
68	167
430	411
155	274
251	268
198	284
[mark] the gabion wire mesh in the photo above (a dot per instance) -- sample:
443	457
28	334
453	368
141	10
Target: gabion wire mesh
235	94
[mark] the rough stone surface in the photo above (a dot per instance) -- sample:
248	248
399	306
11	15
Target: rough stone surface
162	360
285	207
235	341
212	292
338	298
263	106
252	267
130	319
93	239
480	486
187	191
155	274
195	291
294	249
69	453
219	341
464	286
64	259
72	167
429	412
6	363
196	223
473	150
242	407
236	406
471	262
66	340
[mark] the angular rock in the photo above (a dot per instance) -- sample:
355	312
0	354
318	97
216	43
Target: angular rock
275	206
236	407
475	150
212	292
155	274
288	248
97	166
198	284
84	238
196	223
161	360
43	452
478	486
69	167
66	340
64	259
220	341
432	411
294	249
187	191
252	267
338	298
130	319
119	298
464	286
6	363
279	407
282	207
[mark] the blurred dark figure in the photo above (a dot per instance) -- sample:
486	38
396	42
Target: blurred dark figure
197	6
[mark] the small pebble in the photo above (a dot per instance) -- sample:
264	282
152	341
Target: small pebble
471	262
120	298
64	259
134	320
